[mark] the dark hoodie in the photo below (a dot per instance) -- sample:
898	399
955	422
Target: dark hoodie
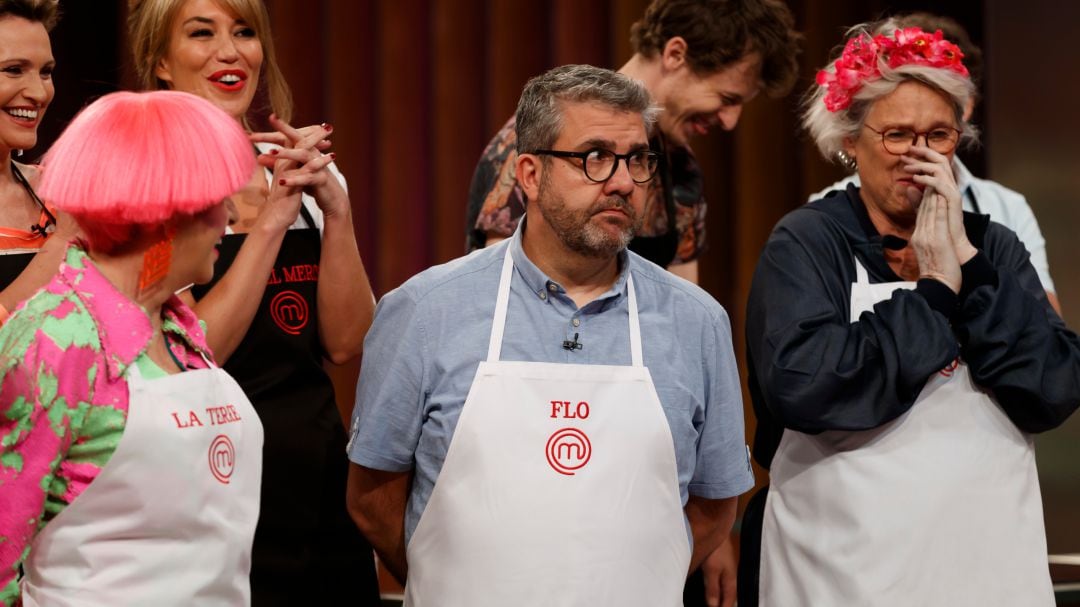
812	370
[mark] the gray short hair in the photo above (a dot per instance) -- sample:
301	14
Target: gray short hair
828	129
539	111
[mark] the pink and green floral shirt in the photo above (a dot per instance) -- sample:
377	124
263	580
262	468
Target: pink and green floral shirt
64	397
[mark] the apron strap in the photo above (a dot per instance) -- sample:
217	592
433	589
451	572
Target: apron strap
133	372
636	358
969	193
209	363
502	300
861	277
50	219
306	214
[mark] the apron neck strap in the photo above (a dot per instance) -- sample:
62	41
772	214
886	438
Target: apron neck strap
498	324
209	363
635	325
861	277
502	301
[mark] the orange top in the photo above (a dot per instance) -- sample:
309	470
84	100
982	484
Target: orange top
13	240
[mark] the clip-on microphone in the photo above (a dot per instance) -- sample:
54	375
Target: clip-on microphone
571	345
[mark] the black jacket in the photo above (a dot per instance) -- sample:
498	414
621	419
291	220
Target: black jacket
811	370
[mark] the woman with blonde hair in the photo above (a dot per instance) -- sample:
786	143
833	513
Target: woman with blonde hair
292	293
130	463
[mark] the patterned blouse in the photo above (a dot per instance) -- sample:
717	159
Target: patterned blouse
64	396
496	203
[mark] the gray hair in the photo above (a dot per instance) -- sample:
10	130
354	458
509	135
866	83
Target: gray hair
829	129
539	111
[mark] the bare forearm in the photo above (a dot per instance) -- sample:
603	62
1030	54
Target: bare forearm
230	306
710	524
345	300
376	502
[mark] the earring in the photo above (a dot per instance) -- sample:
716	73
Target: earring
156	262
18	153
847	161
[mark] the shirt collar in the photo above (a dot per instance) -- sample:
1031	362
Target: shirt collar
123	325
540	284
963	176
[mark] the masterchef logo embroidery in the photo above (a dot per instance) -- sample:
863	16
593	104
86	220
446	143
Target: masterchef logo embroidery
222	458
568	450
289	311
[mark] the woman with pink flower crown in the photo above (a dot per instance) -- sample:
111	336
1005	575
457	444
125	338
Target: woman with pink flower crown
902	355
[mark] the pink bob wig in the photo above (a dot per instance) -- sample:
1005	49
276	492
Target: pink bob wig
141	158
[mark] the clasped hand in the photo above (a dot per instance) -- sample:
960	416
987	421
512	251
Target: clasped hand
300	165
941	245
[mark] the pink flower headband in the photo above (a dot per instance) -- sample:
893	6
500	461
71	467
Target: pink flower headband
858	63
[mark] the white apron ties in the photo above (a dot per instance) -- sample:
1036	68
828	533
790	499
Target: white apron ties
939	507
559	489
170	518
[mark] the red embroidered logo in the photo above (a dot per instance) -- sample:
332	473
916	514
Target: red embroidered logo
289	311
222	458
568	450
950	368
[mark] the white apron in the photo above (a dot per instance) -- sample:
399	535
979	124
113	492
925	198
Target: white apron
559	489
939	507
170	518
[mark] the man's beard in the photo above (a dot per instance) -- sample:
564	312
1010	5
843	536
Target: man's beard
577	230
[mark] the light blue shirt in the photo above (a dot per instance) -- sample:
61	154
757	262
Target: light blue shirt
430	335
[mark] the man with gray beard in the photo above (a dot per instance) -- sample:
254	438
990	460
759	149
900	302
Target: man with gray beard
552	420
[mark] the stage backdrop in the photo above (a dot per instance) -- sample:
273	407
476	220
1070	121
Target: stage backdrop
415	88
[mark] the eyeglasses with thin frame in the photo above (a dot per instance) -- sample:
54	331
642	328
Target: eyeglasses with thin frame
897	141
599	164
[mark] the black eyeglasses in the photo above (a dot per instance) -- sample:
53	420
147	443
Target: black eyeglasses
600	164
898	141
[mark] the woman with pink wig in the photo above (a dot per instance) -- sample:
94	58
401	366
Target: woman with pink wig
28	256
130	464
291	293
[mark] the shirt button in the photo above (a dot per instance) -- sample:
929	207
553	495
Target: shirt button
552	287
576	322
543	295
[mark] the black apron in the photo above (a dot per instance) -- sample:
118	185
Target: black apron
306	550
12	265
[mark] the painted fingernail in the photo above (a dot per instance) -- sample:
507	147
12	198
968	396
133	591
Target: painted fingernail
333	155
281	182
329	127
273	152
